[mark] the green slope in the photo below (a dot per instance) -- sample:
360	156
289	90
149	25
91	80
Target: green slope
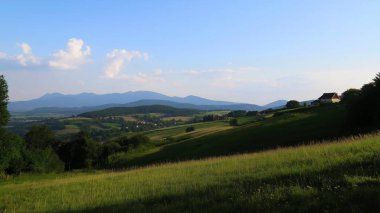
330	177
288	129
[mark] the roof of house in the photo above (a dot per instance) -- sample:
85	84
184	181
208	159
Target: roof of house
329	96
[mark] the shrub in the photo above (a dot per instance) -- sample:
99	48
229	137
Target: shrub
109	149
131	142
350	95
292	104
252	113
84	152
39	137
233	122
11	156
237	113
138	140
190	129
42	161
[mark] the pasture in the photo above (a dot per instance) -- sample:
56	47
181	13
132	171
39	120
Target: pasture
335	176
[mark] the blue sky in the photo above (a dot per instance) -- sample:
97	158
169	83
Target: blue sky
245	51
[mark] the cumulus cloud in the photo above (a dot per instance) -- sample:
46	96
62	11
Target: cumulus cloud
118	58
74	56
26	57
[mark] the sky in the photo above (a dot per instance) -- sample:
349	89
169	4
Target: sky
251	51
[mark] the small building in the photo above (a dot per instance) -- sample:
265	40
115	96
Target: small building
329	98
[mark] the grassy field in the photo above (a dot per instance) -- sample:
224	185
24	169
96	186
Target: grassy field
178	118
219	139
107	127
341	176
176	131
165	136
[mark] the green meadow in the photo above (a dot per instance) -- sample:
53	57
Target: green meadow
301	160
219	138
333	176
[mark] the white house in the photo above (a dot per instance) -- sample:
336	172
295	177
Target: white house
329	98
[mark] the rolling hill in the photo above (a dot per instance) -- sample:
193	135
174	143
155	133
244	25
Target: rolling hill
120	111
341	176
275	104
287	129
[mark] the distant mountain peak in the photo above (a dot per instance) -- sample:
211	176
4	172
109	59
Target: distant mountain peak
87	93
194	97
86	99
276	104
54	94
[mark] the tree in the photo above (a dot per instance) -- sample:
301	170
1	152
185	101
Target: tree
4	114
350	95
237	113
252	113
84	152
127	143
233	122
108	149
138	140
42	160
376	80
292	104
11	155
39	137
39	153
11	146
364	108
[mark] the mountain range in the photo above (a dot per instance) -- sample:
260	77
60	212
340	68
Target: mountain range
84	102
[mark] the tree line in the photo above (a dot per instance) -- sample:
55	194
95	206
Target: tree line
364	105
40	151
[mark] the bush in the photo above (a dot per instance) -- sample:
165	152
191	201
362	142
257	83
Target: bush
237	113
138	140
190	129
292	104
109	149
252	113
233	122
39	137
11	155
170	139
350	96
43	160
132	142
83	152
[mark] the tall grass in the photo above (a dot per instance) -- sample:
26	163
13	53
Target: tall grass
338	176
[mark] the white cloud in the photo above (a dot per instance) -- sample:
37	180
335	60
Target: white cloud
74	56
26	57
118	57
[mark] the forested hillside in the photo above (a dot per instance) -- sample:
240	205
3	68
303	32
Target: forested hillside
118	111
